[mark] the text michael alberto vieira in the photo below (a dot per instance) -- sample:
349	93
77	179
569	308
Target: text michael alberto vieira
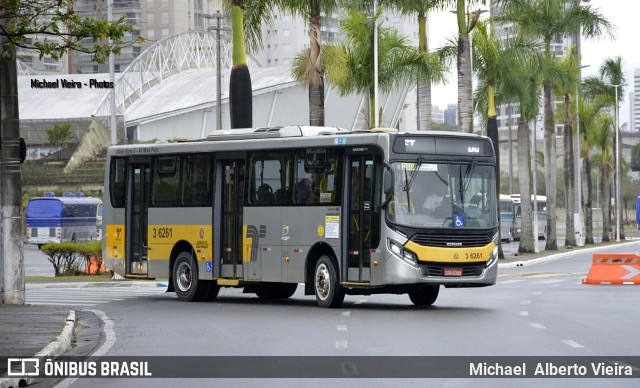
550	369
61	83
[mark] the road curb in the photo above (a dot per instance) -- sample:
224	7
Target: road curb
54	284
55	348
560	256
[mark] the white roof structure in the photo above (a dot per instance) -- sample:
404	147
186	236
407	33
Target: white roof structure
169	92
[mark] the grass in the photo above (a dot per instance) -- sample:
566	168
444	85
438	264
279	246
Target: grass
81	278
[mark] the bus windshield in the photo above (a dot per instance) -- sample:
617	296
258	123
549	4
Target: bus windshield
443	195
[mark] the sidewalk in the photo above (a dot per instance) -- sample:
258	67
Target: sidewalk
47	331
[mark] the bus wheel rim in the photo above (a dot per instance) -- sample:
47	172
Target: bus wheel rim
323	282
183	278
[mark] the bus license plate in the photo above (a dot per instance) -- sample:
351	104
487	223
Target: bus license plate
453	272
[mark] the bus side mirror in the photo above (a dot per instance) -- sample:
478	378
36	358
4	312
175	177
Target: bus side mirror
387	182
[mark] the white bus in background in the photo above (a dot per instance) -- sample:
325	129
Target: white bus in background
517	219
506	217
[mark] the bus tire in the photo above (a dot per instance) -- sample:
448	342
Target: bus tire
276	290
329	292
185	279
211	290
424	296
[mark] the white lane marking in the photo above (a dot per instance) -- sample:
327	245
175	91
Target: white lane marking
525	302
551	281
110	339
360	301
573	344
524	313
342	344
538	293
510	281
342	328
537	326
345	313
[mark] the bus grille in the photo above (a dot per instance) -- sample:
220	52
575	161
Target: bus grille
438	269
452	240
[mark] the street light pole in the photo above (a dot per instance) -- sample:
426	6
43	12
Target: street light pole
376	122
617	132
218	16
618	148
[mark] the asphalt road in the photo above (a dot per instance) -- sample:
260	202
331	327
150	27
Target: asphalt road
535	310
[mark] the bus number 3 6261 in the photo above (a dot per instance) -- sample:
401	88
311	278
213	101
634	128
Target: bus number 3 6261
162	232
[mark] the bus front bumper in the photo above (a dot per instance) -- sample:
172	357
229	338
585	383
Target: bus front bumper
400	271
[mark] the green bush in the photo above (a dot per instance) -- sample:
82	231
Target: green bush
69	259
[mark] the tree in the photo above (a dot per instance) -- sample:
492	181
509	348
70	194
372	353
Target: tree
245	22
350	64
603	139
31	25
494	61
565	83
590	115
546	19
309	64
59	135
466	23
420	9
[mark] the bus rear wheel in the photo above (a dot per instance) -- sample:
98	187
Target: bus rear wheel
327	288
424	296
185	279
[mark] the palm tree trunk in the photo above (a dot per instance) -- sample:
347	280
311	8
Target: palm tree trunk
570	239
465	87
423	91
372	113
550	166
240	92
492	133
588	203
606	203
524	168
316	87
12	288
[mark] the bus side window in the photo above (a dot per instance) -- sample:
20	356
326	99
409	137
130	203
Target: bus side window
197	181
166	182
269	179
118	182
317	184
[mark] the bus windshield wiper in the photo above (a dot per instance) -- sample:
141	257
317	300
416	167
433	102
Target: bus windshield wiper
468	174
409	181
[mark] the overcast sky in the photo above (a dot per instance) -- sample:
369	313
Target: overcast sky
626	43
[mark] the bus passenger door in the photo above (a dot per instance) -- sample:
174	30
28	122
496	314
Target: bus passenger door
363	209
232	201
139	173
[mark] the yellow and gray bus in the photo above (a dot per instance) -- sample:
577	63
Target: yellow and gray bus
339	212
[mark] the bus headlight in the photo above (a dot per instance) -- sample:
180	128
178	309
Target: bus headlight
399	251
493	256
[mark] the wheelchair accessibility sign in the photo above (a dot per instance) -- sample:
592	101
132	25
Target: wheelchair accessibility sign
458	221
209	266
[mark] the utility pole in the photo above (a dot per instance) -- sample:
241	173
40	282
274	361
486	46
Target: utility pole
12	288
218	16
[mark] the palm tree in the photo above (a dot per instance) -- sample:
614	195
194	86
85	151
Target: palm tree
611	73
466	22
496	62
546	19
603	138
590	116
565	83
310	67
350	64
420	9
245	23
602	89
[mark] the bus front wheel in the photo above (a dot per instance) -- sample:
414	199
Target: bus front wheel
327	288
185	279
424	296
